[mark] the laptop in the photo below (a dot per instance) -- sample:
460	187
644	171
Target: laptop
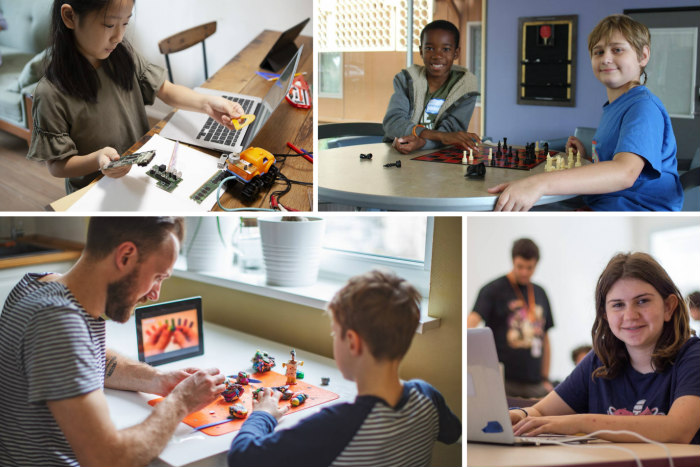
488	420
201	130
283	49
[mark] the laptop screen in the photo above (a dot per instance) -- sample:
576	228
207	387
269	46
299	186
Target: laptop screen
273	97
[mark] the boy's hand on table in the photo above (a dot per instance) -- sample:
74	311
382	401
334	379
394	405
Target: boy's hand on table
223	110
408	144
461	139
106	155
268	401
578	146
520	195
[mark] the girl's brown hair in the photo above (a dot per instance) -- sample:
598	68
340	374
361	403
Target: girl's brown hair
633	31
612	351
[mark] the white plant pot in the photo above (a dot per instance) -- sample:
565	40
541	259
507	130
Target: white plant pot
291	250
203	246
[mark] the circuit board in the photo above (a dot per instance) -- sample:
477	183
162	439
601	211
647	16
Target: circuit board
209	186
454	155
141	159
166	180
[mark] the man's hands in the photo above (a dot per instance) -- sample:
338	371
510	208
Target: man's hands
268	401
223	110
106	155
196	390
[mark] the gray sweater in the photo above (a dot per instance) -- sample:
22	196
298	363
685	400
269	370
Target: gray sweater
408	101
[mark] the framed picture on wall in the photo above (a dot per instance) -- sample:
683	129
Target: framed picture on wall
547	60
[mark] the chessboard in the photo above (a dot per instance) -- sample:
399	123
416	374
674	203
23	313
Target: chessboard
513	158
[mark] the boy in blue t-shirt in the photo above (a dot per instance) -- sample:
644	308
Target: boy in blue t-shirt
634	149
390	423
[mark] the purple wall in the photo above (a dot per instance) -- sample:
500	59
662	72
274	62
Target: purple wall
525	123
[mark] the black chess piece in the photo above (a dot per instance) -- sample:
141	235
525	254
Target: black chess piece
505	142
366	156
476	171
393	164
499	146
546	148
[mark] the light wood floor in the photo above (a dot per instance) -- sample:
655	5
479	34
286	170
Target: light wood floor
24	185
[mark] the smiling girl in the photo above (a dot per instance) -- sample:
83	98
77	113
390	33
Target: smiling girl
90	105
634	149
642	374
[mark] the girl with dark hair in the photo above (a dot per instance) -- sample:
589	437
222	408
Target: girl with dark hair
90	105
644	362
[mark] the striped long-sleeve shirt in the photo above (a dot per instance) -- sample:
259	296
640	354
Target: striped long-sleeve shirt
50	349
367	432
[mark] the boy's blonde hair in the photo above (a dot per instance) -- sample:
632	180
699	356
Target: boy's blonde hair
382	309
633	31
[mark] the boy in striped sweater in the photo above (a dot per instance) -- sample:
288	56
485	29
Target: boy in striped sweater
390	423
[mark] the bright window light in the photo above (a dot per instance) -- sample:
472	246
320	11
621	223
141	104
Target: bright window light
678	251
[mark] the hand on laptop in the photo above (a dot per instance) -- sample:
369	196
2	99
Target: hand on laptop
223	110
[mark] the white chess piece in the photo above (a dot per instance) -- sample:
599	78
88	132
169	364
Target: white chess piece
464	157
490	153
578	160
471	156
537	146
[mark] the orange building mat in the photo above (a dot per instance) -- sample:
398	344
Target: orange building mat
270	378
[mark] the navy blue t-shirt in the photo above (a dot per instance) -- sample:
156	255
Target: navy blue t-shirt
637	122
367	432
631	392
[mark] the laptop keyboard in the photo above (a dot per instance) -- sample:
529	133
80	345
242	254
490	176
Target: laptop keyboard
214	132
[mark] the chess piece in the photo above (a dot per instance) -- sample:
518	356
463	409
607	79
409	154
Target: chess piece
366	156
546	147
505	141
537	147
465	161
471	156
490	153
393	164
578	160
548	164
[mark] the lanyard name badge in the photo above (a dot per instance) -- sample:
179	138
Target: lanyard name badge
536	343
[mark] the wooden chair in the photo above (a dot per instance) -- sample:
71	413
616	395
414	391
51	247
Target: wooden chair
184	40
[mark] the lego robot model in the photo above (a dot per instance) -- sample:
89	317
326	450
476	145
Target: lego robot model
252	171
292	368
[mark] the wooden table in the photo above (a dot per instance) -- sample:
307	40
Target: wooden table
598	454
287	123
416	186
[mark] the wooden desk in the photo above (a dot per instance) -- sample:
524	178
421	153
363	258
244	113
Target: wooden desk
416	186
599	454
287	123
230	351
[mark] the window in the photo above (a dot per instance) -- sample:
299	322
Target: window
353	245
330	74
678	251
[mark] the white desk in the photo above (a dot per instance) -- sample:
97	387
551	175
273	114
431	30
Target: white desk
230	351
596	454
416	186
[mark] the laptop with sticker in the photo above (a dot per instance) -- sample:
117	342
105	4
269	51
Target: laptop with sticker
488	420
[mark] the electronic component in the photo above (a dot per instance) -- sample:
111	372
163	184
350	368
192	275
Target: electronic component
141	159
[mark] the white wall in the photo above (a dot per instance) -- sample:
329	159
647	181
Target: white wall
238	22
573	252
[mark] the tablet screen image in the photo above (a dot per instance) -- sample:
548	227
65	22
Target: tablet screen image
169	331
